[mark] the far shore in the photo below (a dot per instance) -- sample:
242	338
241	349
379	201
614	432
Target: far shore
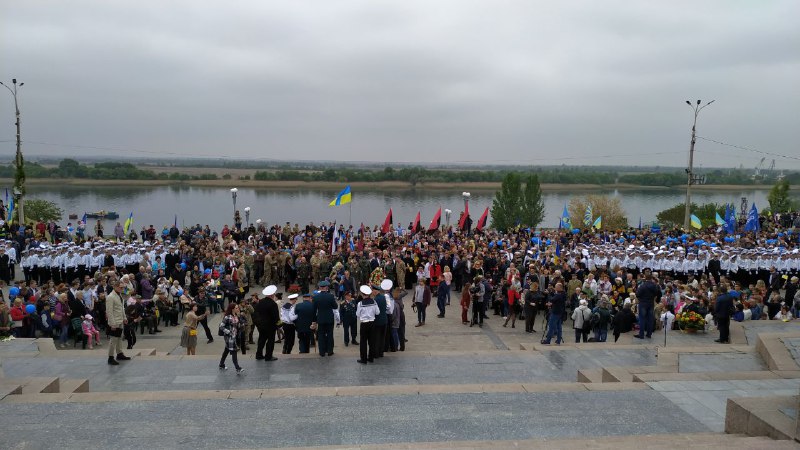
382	185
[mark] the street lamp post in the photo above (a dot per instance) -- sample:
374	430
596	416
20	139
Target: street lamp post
246	215
19	178
447	213
234	191
690	177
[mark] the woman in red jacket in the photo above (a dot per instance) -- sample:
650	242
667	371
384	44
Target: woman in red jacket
17	315
513	301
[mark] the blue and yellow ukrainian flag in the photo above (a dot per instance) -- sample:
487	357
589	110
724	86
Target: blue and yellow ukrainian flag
695	222
598	223
128	223
343	197
719	220
565	222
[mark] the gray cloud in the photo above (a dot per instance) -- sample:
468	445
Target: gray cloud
515	81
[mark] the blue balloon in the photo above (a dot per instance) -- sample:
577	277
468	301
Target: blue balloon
183	265
180	292
535	240
780	234
491	244
548	242
576	230
729	239
207	271
14	291
30	309
713	244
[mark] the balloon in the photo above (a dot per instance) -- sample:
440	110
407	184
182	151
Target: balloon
14	291
535	240
30	309
713	244
207	271
576	230
180	292
548	242
183	265
729	239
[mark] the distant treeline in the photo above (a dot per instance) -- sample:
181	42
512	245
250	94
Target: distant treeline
70	168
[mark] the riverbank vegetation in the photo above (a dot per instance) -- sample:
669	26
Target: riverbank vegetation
412	175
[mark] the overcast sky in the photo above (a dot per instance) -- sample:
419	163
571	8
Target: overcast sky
531	82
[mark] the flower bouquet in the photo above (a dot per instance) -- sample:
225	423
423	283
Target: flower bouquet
691	321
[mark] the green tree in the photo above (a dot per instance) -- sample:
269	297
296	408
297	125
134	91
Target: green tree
44	210
532	213
707	213
506	204
778	198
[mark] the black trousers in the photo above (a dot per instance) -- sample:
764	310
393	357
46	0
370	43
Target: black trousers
477	313
530	318
387	338
304	341
225	354
325	338
266	342
350	330
204	323
367	345
724	327
380	335
288	338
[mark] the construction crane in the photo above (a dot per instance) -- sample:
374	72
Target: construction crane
759	167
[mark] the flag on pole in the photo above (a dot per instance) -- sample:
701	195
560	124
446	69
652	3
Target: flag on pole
695	222
752	220
176	221
558	252
415	226
436	222
387	224
587	216
730	219
598	223
482	220
718	220
343	197
565	222
128	223
10	215
640	222
462	222
84	218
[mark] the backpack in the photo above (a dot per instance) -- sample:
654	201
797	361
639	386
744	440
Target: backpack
594	320
587	323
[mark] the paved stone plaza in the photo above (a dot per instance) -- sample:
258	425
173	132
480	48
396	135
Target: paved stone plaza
453	384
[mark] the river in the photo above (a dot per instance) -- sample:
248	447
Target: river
214	206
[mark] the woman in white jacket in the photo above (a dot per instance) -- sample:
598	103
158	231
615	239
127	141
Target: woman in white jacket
582	316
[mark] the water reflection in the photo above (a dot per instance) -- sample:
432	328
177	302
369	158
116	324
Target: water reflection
213	205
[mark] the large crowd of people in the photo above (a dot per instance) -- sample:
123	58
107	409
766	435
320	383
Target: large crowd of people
84	287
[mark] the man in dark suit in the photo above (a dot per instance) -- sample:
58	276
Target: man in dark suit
305	317
267	324
775	282
557	301
381	321
324	305
647	294
723	311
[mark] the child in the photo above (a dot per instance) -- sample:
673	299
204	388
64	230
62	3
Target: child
90	331
46	320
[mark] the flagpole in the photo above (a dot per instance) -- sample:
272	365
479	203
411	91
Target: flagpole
350	220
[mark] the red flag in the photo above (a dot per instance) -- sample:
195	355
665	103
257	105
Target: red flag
437	220
387	224
482	220
462	223
415	226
